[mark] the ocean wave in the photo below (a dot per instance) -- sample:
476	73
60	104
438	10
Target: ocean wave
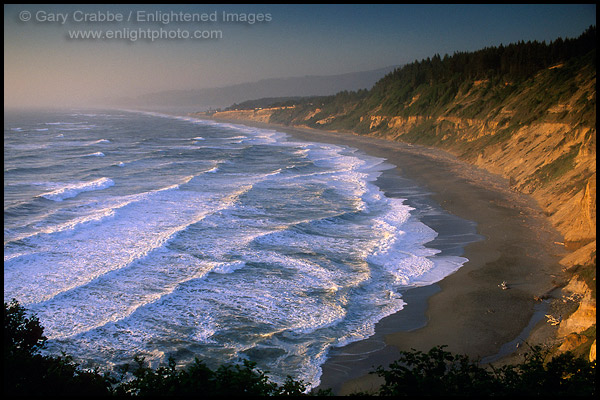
158	216
82	278
79	128
101	212
40	227
93	305
72	190
96	154
26	146
227	267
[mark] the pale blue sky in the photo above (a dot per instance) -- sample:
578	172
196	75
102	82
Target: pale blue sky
42	66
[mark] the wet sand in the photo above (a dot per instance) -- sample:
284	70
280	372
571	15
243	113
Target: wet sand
466	311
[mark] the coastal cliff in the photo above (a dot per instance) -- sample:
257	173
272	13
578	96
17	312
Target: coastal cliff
533	123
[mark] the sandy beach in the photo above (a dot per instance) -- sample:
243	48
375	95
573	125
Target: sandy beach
465	311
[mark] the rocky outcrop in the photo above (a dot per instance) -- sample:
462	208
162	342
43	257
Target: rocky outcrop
580	256
572	327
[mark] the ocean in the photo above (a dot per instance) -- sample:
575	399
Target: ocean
137	233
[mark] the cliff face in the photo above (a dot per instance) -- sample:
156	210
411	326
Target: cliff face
258	115
553	162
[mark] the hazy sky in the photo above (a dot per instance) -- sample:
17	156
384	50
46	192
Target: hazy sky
44	66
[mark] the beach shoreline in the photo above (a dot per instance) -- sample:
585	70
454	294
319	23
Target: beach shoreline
466	311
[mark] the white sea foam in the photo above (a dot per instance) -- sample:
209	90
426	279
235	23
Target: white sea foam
99	213
96	154
96	216
73	189
144	223
227	268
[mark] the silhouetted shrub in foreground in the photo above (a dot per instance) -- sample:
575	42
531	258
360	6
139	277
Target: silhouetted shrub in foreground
415	373
440	373
27	373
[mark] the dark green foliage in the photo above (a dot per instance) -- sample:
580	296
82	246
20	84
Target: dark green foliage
227	380
440	373
27	373
514	62
433	373
558	167
22	335
265	102
564	375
